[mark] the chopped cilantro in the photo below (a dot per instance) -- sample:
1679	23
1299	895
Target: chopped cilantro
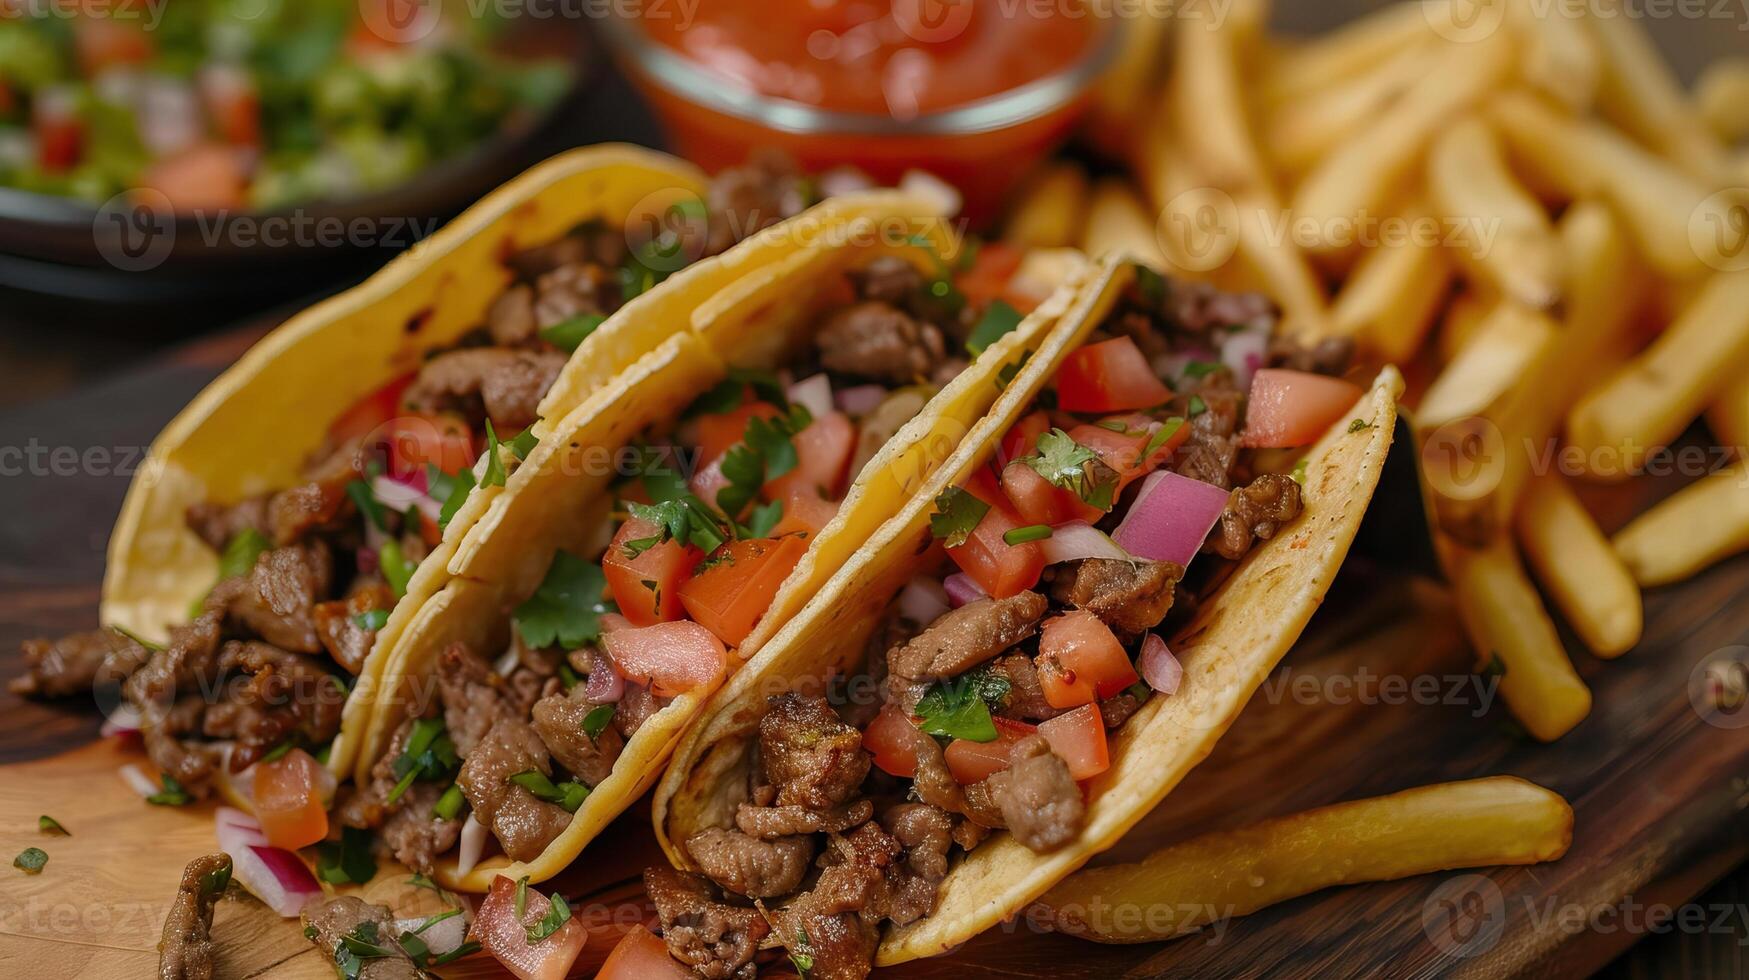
567	607
558	913
661	481
960	707
31	860
998	321
521	897
1359	425
280	751
685	519
460	486
137	638
568	676
429	755
1166	431
347	859
449	805
423	881
367	503
1201	369
1065	463
1151	284
1299	473
727	394
49	825
803	953
1197	406
468	948
598	718
524	443
216	880
568	795
764	453
172	795
1495	667
1008	372
570	333
372	620
494	475
397	567
1031	532
247	545
1113	425
957	514
764	518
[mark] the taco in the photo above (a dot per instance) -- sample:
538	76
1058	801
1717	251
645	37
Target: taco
292	519
657	535
989	696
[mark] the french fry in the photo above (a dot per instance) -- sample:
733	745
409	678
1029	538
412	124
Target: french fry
1655	396
1468	310
1050	209
1587	159
1499	820
1390	298
1578	568
1362	175
1703	523
1642	95
1723	97
1124	91
1489	367
1505	237
1729	418
1506	621
1299	133
1558	55
1350	50
1117	221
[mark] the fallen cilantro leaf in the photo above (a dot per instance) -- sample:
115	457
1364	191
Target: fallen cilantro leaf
567	607
49	825
172	795
31	860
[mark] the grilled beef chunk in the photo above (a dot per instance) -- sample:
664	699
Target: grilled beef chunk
594	242
338	627
473	698
748	865
926	833
578	289
308	508
77	664
1114	711
837	922
1039	799
635	707
814	759
881	342
510	747
1129	596
934	783
888	279
217	524
329	922
558	720
717	940
285	694
1211	448
1256	510
277	600
768	188
185	952
526	824
414	834
770	822
1331	356
960	640
493	383
510	318
1026	695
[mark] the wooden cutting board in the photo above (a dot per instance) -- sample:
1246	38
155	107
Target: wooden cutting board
1658	792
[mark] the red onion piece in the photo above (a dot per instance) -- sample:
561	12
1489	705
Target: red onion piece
1158	666
398	496
923	601
122	721
440	937
473	845
961	589
814	394
861	399
1075	540
276	876
1243	353
605	685
1171	517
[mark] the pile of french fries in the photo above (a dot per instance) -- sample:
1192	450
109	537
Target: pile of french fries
1568	294
1520	205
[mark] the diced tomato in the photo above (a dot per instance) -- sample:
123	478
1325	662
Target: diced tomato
104	42
999	568
890	739
987	280
823	452
671	657
1122	450
1080	661
716	433
805	513
504	934
60	133
973	762
1039	501
288	800
730	596
1079	738
232	103
1111	376
647	586
371	412
642	956
1293	408
204	177
444	441
1022	438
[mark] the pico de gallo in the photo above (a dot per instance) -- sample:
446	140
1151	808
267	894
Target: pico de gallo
725	501
238	106
1042	629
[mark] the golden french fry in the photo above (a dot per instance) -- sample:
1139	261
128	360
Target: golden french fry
1118	221
1468	310
1656	395
1605	289
1723	96
1670	211
1558	55
1578	568
1698	525
1350	50
1642	95
1729	418
1504	235
1506	621
1050	208
1299	133
1489	367
1389	300
1181	888
1121	98
1362	175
